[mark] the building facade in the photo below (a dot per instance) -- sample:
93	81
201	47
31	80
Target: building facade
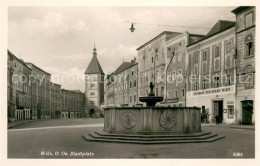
41	84
94	87
176	68
211	73
245	64
19	90
73	104
55	100
122	85
151	64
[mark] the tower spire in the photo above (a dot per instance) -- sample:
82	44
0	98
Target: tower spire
94	50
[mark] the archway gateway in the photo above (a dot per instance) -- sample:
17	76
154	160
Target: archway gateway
91	113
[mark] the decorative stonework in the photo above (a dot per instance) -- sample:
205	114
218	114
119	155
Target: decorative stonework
128	120
168	120
194	119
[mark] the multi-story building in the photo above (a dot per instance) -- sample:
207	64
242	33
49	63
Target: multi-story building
211	72
176	68
151	64
245	64
73	104
122	85
10	87
19	91
94	87
55	101
40	82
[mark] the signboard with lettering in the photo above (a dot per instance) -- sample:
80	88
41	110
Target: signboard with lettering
212	91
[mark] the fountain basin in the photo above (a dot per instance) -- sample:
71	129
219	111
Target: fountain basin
152	120
151	100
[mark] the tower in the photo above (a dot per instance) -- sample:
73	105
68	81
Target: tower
94	87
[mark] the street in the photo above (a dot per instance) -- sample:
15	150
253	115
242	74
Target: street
62	138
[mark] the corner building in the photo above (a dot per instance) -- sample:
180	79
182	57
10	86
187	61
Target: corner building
211	72
245	62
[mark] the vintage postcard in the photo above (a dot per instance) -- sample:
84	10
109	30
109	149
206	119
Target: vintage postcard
111	80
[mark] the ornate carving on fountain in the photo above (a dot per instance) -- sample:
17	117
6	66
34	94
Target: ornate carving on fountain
128	120
168	119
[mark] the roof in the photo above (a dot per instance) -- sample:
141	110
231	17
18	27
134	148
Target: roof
76	91
19	60
240	9
29	63
219	27
156	37
94	67
124	66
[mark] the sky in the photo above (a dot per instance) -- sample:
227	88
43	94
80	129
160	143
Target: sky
60	40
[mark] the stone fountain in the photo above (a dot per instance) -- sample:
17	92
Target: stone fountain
152	125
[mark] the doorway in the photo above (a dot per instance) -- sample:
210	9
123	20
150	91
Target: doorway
218	111
91	113
247	111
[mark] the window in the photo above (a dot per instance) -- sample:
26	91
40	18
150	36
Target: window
249	20
228	47
204	84
176	94
249	48
183	92
204	56
134	83
196	86
132	73
228	81
130	84
230	111
195	58
134	98
152	59
130	99
217	51
216	80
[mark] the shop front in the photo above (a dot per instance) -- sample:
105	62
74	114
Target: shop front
218	102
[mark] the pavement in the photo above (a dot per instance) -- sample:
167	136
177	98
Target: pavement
63	138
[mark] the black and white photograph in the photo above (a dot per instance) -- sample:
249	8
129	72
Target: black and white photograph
86	81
